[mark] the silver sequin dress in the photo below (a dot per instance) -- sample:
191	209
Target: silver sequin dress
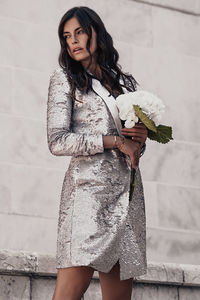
97	224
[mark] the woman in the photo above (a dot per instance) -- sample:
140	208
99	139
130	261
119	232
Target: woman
98	227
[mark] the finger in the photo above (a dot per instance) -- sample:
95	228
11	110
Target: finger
134	130
133	163
142	130
140	125
137	139
128	129
135	159
139	134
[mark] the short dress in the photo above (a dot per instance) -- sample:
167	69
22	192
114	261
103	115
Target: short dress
97	224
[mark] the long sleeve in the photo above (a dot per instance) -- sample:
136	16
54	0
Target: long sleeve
61	140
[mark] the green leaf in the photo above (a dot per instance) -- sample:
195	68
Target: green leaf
143	117
160	133
163	134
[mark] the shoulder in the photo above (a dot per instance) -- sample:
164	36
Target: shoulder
57	73
59	77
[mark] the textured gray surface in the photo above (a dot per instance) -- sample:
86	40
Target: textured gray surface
25	276
42	288
20	262
14	287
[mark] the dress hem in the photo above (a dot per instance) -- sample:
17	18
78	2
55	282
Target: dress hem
132	274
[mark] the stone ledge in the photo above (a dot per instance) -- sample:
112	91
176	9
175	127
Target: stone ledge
22	262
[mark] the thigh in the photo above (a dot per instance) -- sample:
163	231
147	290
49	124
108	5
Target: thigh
111	286
72	282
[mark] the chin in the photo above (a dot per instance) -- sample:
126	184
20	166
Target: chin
79	57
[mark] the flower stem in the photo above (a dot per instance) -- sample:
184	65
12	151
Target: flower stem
132	184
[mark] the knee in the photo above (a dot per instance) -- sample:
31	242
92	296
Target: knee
67	295
72	283
70	291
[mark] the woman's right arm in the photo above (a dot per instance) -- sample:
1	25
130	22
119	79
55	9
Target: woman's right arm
61	139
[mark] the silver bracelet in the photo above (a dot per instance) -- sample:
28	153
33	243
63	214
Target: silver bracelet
115	138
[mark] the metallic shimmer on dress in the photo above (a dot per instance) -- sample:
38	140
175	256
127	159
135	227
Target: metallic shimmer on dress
97	225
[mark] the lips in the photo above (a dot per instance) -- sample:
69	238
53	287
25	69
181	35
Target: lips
77	49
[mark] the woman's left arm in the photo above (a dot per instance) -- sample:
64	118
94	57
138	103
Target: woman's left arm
138	133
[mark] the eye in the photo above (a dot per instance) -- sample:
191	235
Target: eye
66	36
80	31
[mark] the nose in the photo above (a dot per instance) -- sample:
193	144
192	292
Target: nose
74	39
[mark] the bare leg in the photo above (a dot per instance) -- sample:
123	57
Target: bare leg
111	286
72	282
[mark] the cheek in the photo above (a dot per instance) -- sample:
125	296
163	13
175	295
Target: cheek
69	51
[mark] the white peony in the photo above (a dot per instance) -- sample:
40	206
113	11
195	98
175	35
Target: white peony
131	119
150	104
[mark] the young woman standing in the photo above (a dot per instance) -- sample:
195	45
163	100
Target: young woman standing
98	227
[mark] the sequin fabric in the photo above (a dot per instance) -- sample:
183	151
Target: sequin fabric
97	225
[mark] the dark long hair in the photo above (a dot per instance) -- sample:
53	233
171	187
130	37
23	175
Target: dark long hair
107	55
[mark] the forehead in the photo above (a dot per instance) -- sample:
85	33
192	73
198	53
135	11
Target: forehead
71	25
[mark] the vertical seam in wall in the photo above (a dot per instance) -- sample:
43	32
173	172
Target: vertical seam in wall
183	276
178	293
31	287
168	8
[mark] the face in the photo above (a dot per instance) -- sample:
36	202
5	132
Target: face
76	38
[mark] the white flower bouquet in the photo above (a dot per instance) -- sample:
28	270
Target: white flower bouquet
147	108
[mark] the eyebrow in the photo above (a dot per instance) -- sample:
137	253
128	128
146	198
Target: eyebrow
74	30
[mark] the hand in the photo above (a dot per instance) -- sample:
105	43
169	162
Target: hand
130	148
138	133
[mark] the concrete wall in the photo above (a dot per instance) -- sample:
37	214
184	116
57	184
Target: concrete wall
159	43
29	276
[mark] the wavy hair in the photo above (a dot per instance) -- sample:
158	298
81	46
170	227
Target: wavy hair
107	55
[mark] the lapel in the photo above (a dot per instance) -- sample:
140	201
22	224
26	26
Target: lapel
110	102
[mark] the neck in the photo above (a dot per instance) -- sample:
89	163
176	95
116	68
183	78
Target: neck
94	67
96	71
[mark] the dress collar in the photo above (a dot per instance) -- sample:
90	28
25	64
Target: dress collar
89	72
110	102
